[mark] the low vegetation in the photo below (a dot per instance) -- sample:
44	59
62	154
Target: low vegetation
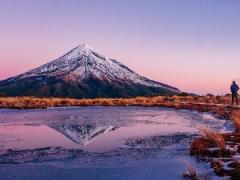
222	151
180	101
210	144
215	140
190	172
236	120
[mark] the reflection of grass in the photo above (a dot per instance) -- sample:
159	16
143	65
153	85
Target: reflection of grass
168	101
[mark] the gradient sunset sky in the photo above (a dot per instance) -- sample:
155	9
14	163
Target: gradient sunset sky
191	44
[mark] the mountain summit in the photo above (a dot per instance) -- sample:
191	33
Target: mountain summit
83	73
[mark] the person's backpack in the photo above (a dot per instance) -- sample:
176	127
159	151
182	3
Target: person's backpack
234	88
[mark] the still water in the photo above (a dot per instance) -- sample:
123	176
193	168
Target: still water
100	142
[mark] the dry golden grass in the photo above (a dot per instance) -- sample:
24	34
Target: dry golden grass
214	139
209	144
167	101
190	172
236	120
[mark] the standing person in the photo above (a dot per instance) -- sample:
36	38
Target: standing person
234	89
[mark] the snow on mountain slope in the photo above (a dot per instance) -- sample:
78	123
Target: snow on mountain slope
83	62
83	73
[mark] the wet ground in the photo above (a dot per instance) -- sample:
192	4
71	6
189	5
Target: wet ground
100	142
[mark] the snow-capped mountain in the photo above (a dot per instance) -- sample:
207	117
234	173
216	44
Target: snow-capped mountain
83	72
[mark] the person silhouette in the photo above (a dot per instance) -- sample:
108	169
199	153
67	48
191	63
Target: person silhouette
234	89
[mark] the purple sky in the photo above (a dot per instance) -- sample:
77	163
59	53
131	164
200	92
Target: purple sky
191	44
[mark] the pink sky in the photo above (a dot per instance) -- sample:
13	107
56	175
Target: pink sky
192	46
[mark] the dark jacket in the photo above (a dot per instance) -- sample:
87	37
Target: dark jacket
234	88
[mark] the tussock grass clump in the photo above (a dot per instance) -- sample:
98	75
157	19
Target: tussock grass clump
190	172
209	144
214	139
236	120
